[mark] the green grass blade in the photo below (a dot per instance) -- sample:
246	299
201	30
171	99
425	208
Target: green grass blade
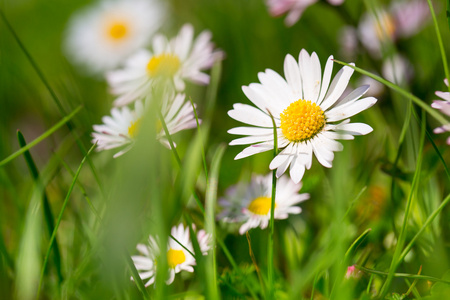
47	209
441	44
53	237
425	225
270	262
41	137
136	277
448	13
403	275
210	205
401	239
356	244
433	112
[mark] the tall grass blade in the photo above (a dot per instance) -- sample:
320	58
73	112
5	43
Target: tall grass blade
435	114
210	205
47	209
402	275
53	237
41	137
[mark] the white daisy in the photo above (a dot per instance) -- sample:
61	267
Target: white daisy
403	19
178	115
305	107
101	37
444	107
176	60
178	258
294	8
251	203
121	128
118	130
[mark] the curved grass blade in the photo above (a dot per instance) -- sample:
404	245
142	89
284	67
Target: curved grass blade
403	275
435	114
210	205
356	244
41	137
47	209
66	200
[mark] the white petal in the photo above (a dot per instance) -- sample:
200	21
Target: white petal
250	115
292	74
349	109
337	87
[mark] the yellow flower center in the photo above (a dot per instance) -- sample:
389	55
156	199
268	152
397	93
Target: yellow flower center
134	128
175	257
385	27
302	120
165	64
261	205
117	30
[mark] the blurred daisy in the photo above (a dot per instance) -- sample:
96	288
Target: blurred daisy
178	115
118	130
305	107
444	107
401	20
101	37
121	128
178	258
294	8
251	204
179	59
397	69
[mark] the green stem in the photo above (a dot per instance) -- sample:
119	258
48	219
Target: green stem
136	277
441	44
53	237
435	114
270	262
45	203
201	139
403	275
401	239
40	138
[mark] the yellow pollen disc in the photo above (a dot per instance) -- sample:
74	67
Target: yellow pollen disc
302	120
385	27
117	30
133	128
261	206
163	65
175	257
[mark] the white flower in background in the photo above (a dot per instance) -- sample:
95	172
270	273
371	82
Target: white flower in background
305	108
376	88
179	59
444	107
102	36
118	130
294	8
251	203
178	258
397	69
403	19
178	115
121	128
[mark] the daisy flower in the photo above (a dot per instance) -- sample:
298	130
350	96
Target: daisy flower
101	37
294	8
121	128
305	107
178	258
251	204
401	20
118	130
444	107
179	59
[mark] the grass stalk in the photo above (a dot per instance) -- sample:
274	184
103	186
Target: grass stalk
433	112
401	239
48	215
402	275
439	37
40	138
270	249
53	237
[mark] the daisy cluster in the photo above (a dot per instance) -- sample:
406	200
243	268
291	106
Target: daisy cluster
118	39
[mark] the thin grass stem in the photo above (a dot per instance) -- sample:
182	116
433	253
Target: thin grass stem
205	167
401	239
40	138
402	275
441	44
53	237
